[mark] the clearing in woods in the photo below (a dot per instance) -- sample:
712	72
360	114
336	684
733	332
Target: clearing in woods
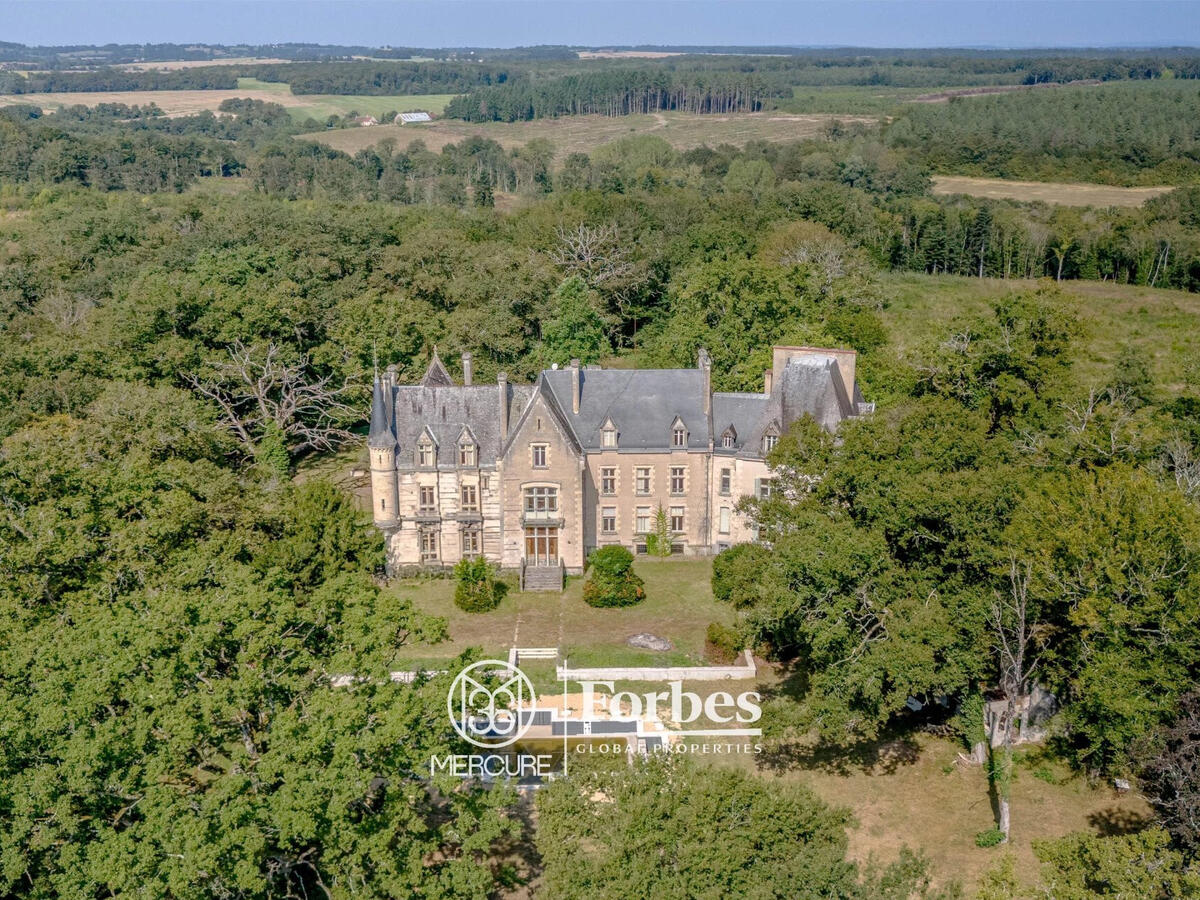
1047	191
582	134
186	103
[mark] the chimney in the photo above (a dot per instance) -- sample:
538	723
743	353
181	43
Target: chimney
575	386
704	364
768	380
502	383
467	372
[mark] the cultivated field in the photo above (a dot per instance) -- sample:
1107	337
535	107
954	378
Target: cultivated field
173	65
1101	195
582	134
184	103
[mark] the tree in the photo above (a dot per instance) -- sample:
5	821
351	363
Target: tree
1171	778
476	588
575	329
660	541
1018	643
1083	866
256	388
612	581
482	194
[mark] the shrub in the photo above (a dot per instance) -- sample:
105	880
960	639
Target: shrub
477	589
612	581
736	573
990	838
658	542
722	642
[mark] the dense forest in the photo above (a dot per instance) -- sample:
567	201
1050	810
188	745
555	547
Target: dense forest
176	594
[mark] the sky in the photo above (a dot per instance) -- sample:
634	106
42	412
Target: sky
598	23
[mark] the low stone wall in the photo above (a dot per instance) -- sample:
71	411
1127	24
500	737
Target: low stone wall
663	673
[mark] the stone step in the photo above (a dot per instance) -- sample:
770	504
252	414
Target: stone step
543	578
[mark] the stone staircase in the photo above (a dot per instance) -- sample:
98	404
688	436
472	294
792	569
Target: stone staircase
542	578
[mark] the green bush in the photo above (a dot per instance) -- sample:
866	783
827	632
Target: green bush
722	642
736	573
659	541
990	838
612	581
477	589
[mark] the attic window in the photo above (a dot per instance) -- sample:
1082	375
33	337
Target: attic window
466	453
678	435
425	453
608	437
769	442
728	438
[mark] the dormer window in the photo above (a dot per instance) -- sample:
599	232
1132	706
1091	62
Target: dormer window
728	438
679	434
608	437
769	442
425	455
466	453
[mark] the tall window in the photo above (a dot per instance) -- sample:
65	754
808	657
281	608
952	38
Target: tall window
541	503
677	480
765	488
769	442
679	436
727	440
677	518
723	521
485	482
643	520
470	540
428	501
425	453
608	481
726	482
539	456
466	454
470	498
643	480
608	520
429	545
608	437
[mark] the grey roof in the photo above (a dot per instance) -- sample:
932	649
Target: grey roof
642	403
445	412
741	410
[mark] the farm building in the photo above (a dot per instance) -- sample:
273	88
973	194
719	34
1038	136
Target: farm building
409	118
365	120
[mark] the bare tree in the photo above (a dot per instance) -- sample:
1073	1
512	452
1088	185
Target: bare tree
256	390
1172	776
1180	462
594	253
64	311
1018	644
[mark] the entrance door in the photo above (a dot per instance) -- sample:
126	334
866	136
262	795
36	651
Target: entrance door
541	545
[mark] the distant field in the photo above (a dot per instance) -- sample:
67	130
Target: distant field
1163	325
572	134
172	65
1047	191
184	103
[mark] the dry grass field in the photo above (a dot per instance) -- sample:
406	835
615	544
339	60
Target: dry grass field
173	65
1047	191
582	134
185	103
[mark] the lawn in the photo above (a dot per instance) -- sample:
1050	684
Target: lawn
1164	325
908	790
679	607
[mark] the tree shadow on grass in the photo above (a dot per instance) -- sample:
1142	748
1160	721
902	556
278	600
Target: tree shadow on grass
1114	822
879	757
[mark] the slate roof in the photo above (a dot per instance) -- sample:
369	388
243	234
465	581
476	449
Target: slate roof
642	403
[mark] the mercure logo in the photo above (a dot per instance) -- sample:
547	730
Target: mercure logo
491	717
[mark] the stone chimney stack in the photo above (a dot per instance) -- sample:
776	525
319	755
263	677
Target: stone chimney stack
575	386
704	364
467	370
502	384
768	381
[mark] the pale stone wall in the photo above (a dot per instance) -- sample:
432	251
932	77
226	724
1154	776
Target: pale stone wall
563	470
403	543
744	475
626	500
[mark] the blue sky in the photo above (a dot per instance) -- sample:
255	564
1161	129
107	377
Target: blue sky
506	23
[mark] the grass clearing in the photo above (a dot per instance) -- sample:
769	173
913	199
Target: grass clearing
679	606
907	790
582	134
1164	325
1057	193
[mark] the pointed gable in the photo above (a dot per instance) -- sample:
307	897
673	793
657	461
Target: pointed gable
436	375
